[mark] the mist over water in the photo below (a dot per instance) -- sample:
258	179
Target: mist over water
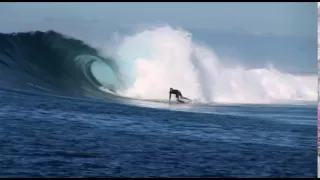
155	59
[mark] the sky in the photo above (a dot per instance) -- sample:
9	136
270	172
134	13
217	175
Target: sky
292	19
255	33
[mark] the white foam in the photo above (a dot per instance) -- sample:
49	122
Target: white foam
156	59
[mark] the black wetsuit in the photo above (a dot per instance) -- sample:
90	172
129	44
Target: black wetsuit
176	92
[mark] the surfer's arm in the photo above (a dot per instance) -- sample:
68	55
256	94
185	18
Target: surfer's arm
169	96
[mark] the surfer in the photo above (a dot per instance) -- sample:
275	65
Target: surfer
178	95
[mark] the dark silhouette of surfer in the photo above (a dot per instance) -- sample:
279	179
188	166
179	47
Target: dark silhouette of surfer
178	95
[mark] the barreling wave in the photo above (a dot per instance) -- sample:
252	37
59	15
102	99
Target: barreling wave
52	61
143	66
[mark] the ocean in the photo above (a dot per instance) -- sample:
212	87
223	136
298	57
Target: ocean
70	109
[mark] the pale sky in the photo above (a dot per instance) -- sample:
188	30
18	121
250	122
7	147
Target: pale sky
297	19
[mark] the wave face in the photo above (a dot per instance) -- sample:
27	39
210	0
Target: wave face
51	60
143	65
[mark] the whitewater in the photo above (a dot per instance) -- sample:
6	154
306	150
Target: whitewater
155	59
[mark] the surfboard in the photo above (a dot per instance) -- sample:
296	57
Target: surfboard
184	101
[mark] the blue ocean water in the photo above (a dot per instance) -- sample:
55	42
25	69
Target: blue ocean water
55	122
50	136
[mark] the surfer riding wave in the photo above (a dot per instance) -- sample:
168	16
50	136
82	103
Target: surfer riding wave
178	95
